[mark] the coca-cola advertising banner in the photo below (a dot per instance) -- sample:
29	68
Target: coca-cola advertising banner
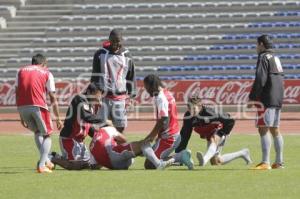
216	92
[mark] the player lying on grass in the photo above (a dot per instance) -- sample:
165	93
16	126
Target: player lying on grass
166	130
78	123
213	127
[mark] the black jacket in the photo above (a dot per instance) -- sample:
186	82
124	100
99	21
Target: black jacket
114	72
79	119
205	117
268	86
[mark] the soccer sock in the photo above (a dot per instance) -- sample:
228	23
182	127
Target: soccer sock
178	156
211	151
226	158
38	138
265	147
150	155
278	144
45	149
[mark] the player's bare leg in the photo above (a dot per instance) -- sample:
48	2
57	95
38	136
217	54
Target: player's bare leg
211	151
278	144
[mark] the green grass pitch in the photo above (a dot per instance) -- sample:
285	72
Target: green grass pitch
19	180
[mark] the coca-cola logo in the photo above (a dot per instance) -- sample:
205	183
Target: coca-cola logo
220	92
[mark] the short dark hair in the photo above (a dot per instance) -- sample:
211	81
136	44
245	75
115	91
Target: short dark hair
93	88
154	81
266	41
115	33
38	59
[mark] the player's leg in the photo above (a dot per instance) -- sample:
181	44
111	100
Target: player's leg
184	156
119	114
44	124
278	140
122	155
153	155
226	158
104	110
212	145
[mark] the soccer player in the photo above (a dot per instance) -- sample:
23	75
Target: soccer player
267	95
109	148
213	127
33	83
78	123
113	67
166	130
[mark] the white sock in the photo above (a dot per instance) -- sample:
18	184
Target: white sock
45	150
150	155
265	147
278	144
226	158
38	138
211	151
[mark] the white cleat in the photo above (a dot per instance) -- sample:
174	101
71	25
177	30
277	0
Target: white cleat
247	157
200	158
165	164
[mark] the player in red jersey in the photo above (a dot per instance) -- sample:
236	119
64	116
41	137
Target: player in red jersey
110	149
33	83
166	130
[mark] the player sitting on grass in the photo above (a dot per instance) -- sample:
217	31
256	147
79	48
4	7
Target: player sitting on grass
213	127
78	123
166	130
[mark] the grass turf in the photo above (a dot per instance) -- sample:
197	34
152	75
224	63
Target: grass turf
18	178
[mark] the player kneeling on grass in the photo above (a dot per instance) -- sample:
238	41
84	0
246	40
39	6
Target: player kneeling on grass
165	131
78	123
213	127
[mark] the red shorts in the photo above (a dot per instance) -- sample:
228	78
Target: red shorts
73	150
120	148
164	147
207	131
46	117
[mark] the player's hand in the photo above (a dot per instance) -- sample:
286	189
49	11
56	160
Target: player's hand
24	123
129	104
109	123
59	124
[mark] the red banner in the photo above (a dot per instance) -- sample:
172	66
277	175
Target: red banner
215	92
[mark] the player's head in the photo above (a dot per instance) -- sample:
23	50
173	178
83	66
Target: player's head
194	104
94	93
152	84
39	59
116	40
263	42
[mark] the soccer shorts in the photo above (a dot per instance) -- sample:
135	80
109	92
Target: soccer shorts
268	117
73	150
121	155
114	110
38	119
164	147
207	131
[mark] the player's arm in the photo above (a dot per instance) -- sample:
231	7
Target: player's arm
160	125
261	77
185	132
50	85
96	68
131	80
120	138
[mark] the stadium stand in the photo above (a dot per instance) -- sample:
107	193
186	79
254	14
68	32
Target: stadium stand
178	40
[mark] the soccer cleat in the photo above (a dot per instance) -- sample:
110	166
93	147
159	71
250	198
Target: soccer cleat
50	165
262	166
43	170
277	166
165	164
200	158
247	157
187	159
